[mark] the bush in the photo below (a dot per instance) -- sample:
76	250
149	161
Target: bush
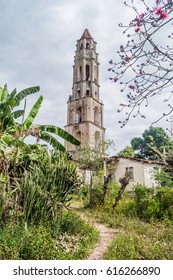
165	199
152	203
39	188
72	239
12	237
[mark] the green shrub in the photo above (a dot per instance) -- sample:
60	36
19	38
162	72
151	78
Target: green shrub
40	187
151	204
12	237
39	244
165	179
165	199
72	239
96	192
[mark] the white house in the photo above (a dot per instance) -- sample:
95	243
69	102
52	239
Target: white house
141	171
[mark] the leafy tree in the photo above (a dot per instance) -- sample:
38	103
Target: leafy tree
128	151
94	159
165	179
153	143
145	64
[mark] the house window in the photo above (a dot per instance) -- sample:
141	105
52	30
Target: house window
155	169
130	170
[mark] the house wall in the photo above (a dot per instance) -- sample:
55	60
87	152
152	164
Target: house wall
143	172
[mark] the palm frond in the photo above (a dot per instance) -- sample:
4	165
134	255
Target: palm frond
3	94
18	113
24	93
52	141
20	144
33	113
60	132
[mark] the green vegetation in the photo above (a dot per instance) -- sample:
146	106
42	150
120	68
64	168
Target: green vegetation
36	187
138	240
144	222
153	143
73	240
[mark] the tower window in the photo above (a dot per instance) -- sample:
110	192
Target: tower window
87	45
96	116
80	72
78	93
81	46
87	93
87	72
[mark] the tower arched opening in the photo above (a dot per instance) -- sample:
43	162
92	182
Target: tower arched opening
96	116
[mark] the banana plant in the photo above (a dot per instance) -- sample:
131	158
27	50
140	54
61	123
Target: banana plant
14	133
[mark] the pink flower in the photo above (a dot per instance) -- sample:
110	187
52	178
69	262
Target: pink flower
164	15
115	79
137	29
142	15
127	58
158	10
131	86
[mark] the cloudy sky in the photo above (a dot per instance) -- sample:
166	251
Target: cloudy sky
38	40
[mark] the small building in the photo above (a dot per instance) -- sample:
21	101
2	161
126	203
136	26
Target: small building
141	171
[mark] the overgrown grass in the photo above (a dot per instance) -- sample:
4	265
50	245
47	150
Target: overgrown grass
73	239
141	241
137	238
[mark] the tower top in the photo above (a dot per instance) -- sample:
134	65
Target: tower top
86	34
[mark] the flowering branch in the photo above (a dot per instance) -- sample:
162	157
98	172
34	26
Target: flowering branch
145	66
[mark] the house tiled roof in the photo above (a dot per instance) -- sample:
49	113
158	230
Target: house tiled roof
142	160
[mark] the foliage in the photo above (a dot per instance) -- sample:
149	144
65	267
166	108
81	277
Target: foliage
127	152
97	190
39	186
84	237
145	63
94	159
74	240
154	204
153	139
13	133
89	158
140	241
165	179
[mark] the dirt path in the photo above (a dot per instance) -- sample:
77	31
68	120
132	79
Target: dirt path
107	234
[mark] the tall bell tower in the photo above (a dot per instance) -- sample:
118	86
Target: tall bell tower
84	108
